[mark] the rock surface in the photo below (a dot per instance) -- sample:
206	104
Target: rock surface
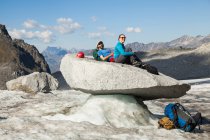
111	78
18	58
33	83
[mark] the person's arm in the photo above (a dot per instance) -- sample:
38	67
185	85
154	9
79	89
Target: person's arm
105	58
122	51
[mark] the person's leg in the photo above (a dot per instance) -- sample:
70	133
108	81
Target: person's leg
122	59
135	61
127	59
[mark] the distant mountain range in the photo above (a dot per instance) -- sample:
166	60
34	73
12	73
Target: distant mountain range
183	42
53	56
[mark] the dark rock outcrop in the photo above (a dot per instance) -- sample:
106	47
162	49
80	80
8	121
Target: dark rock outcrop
18	58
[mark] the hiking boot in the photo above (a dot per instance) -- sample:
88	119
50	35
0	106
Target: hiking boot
136	64
144	66
150	69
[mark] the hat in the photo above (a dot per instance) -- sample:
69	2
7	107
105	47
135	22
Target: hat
80	55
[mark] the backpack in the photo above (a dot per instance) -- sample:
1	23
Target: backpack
181	118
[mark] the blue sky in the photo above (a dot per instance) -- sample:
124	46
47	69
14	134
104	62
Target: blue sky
82	23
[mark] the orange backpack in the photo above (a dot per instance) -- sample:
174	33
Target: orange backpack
166	123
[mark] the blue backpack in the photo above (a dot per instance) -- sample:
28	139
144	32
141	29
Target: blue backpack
181	118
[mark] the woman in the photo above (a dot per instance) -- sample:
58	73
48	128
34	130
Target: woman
126	56
104	54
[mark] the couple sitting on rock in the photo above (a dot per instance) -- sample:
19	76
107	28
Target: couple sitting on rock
121	55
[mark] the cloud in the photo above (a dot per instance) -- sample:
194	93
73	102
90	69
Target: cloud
30	24
133	29
94	35
107	33
66	25
102	31
46	36
94	18
34	30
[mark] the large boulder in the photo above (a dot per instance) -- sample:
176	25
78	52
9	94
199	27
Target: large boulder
33	83
97	77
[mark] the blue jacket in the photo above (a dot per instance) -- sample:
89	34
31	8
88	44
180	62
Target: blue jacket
104	52
120	50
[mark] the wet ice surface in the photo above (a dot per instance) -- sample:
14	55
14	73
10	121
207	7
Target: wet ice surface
22	116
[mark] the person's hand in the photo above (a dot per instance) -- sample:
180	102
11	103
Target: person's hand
112	54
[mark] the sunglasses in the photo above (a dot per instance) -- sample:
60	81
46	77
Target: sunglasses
123	37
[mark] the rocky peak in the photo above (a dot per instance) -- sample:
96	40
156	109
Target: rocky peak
21	42
27	47
32	53
182	39
3	32
18	58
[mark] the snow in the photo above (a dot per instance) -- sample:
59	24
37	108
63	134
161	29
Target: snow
46	116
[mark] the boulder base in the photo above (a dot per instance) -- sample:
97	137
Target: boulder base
114	110
97	77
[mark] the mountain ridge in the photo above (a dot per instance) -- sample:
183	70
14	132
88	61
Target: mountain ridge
184	41
18	58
